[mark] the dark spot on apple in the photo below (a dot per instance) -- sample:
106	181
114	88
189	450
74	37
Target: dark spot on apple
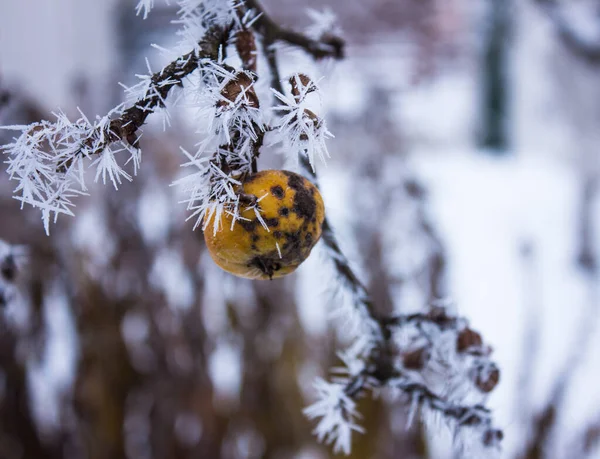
305	205
248	225
278	192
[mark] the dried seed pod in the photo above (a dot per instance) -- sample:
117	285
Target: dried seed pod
290	224
416	359
468	339
243	82
246	48
486	377
305	81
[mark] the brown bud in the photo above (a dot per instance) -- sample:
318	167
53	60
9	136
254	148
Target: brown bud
231	91
246	48
305	81
468	339
487	377
416	359
315	119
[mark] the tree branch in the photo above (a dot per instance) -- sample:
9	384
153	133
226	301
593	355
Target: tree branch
327	46
126	126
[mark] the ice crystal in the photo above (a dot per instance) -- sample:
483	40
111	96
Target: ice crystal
301	131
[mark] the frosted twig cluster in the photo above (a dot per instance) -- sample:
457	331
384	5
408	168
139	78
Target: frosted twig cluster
49	159
302	132
434	362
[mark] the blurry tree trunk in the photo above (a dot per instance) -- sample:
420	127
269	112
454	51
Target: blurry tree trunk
105	375
19	437
274	347
494	80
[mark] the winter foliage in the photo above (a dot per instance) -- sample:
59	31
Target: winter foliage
432	361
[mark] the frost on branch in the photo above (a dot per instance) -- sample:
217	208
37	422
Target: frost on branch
433	362
233	137
235	132
144	7
48	161
337	414
301	131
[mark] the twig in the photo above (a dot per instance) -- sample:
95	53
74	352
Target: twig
342	265
327	46
436	316
422	397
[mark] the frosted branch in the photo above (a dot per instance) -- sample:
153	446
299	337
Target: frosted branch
432	361
47	158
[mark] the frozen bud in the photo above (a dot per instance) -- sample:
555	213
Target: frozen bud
315	120
416	359
246	48
302	81
486	377
241	85
492	437
468	339
310	114
301	86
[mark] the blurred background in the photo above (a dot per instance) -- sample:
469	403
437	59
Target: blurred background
464	168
